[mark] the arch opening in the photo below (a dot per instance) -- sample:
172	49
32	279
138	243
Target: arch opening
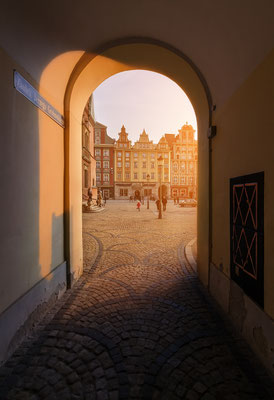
87	76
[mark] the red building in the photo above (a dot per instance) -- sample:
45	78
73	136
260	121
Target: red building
88	159
104	155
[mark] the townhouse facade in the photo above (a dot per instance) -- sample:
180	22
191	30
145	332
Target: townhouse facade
184	162
104	155
88	159
136	167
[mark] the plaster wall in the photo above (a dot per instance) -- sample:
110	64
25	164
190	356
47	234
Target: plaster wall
244	145
31	201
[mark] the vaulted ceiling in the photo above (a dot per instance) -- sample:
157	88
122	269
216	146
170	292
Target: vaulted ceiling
225	39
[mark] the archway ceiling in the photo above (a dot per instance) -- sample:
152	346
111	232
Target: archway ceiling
225	39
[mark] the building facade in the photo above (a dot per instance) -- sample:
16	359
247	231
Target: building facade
104	155
184	160
88	160
137	171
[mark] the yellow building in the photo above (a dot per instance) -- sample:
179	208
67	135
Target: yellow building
137	172
184	159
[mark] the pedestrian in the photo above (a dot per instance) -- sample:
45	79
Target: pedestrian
174	200
178	199
99	199
138	206
158	204
164	201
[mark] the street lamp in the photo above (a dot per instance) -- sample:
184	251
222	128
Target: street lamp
148	176
160	165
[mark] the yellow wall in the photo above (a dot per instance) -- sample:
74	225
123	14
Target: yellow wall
32	171
245	144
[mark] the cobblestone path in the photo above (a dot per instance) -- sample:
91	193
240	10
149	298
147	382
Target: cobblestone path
137	325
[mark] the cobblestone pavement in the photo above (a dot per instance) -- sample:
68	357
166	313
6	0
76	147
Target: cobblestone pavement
137	325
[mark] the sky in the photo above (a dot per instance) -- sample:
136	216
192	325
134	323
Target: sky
142	100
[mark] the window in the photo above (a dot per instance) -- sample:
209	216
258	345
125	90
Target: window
119	164
119	154
166	155
86	178
121	145
144	175
125	145
135	164
97	152
175	166
106	177
183	180
175	179
98	177
152	155
183	166
191	165
190	180
98	164
119	177
106	164
127	154
106	152
127	164
144	164
135	175
144	155
152	175
166	166
152	165
135	155
189	156
184	156
123	192
127	176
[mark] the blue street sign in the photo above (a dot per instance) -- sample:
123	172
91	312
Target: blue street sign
27	90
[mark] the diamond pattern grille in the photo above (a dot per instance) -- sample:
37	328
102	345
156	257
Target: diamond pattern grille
247	234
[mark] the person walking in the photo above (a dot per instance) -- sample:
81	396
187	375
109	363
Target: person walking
138	206
164	201
158	204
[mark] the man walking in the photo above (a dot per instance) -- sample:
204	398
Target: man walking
164	201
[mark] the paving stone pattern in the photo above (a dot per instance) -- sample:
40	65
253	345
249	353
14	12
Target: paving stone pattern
137	325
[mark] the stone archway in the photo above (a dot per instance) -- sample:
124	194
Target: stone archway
89	73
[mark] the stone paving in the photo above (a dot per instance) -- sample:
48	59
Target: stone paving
137	325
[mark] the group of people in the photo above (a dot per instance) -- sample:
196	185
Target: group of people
164	202
100	200
176	200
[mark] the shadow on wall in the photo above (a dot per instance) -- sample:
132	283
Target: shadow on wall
32	221
26	312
